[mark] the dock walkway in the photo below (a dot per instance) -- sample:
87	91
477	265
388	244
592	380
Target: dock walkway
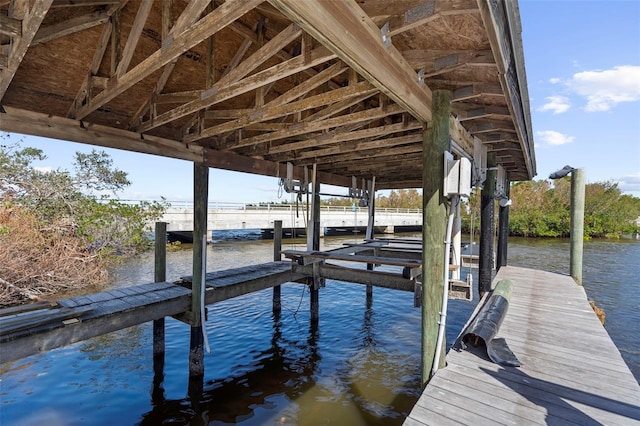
571	370
78	318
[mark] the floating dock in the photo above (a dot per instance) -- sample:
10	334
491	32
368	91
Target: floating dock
571	372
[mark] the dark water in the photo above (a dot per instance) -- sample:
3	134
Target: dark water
359	365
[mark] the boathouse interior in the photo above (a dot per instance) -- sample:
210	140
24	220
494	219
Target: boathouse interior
251	85
363	94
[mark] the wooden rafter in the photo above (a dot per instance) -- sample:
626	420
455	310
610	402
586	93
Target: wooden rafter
298	129
435	63
271	112
363	50
30	25
189	15
251	63
357	149
134	36
334	138
427	11
173	47
70	26
319	55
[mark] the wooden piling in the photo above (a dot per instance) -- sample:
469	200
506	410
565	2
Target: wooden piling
436	142
503	232
200	200
313	243
487	227
277	256
370	230
160	275
577	224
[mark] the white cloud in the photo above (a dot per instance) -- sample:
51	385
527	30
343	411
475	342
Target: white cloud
604	89
630	183
556	104
554	80
552	137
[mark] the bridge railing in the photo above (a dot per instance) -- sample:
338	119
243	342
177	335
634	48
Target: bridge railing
221	205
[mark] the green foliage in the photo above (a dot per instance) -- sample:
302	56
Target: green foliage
77	203
540	209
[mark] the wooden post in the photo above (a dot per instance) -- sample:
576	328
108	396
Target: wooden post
313	243
200	200
370	230
160	275
277	247
503	231
487	227
434	219
577	224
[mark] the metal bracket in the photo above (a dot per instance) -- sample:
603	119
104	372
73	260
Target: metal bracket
386	38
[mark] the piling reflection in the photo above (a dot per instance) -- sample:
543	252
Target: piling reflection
285	369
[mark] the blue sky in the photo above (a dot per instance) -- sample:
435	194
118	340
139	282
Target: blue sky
582	60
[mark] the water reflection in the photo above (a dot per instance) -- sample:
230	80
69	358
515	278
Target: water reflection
286	366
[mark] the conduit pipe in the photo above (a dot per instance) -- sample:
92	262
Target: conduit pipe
202	288
455	199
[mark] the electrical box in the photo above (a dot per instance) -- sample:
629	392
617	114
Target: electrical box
457	179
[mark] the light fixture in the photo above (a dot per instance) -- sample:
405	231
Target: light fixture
561	173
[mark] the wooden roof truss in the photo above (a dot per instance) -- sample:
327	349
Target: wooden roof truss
249	85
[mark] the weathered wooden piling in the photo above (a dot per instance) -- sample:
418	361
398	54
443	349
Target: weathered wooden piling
370	229
577	224
277	256
436	142
200	200
487	227
160	275
503	231
314	240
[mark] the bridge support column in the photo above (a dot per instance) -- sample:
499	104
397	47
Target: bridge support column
200	200
487	227
434	221
277	247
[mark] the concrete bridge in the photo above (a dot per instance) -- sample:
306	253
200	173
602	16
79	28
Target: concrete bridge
333	219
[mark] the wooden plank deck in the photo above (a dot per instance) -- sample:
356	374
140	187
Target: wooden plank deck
95	314
571	371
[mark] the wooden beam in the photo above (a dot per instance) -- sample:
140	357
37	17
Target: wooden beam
270	112
81	3
43	125
188	16
173	47
85	88
259	57
275	73
18	9
363	49
228	160
70	26
428	11
10	26
477	90
30	25
304	127
134	36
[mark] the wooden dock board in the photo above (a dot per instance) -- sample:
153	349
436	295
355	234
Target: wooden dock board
104	312
571	370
